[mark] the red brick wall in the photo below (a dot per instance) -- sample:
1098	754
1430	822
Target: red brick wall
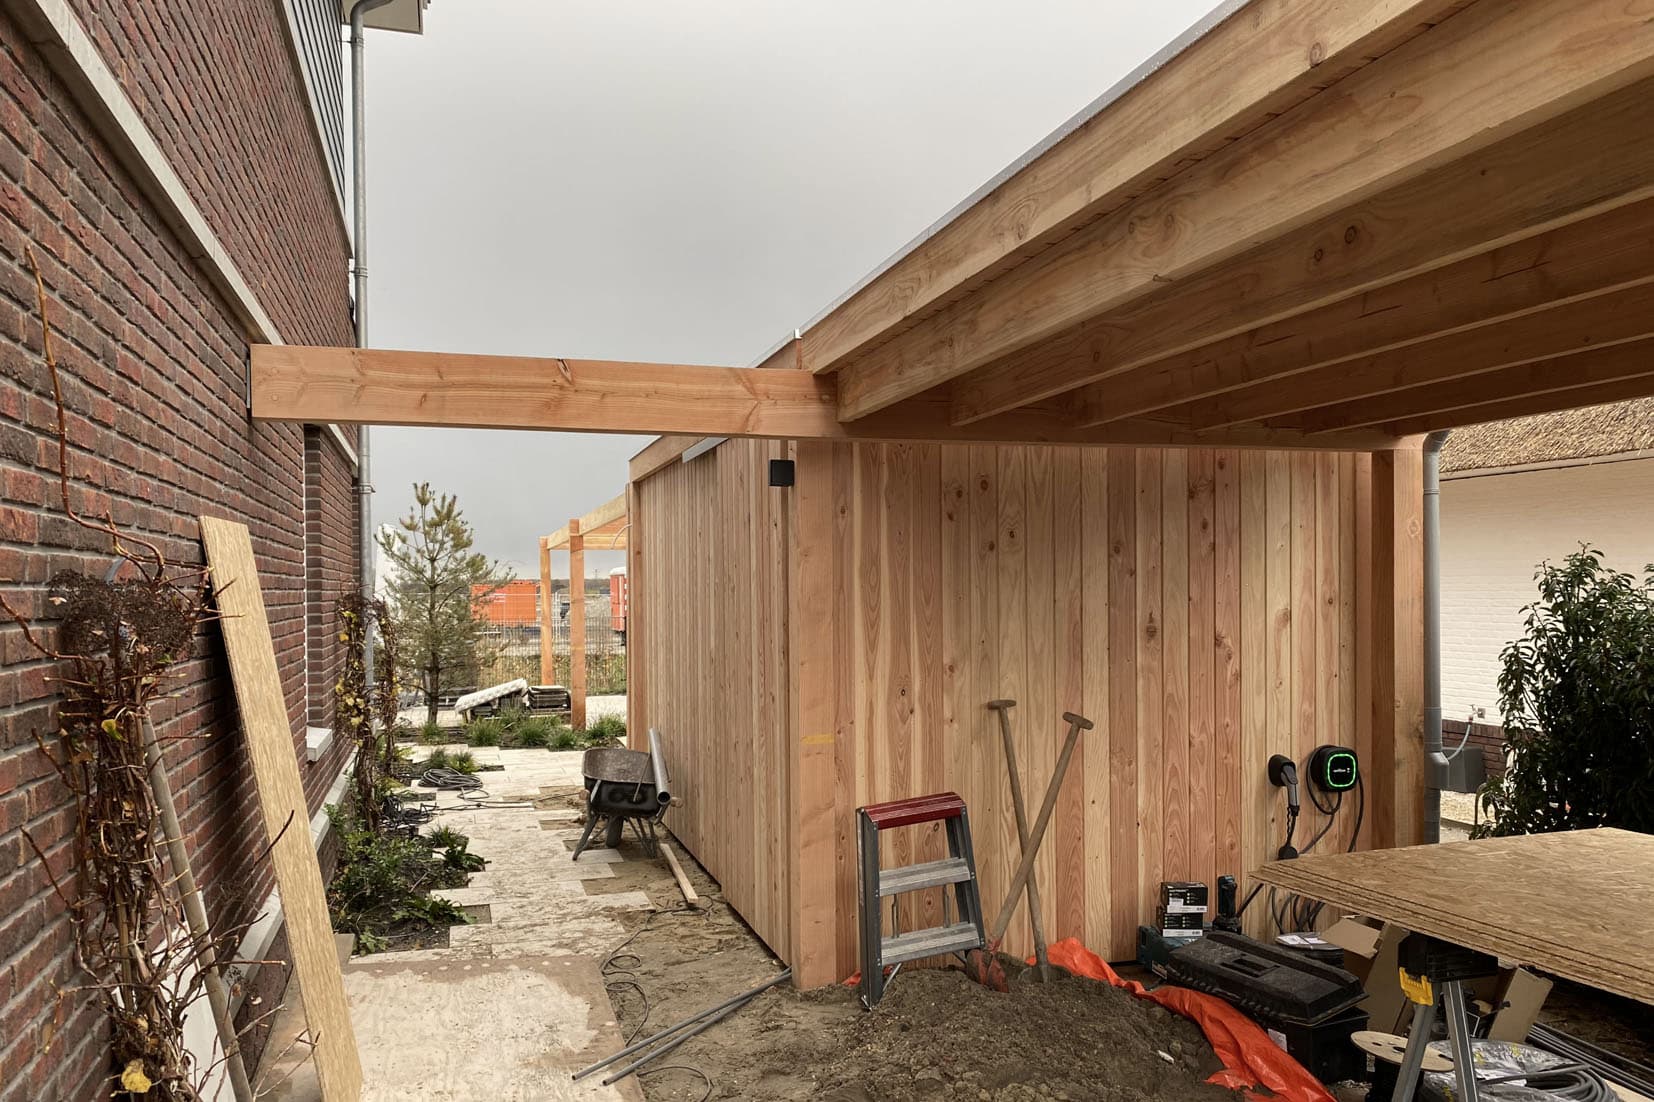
154	372
215	84
330	524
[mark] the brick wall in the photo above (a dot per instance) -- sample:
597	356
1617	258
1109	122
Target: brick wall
1496	529
330	525
154	379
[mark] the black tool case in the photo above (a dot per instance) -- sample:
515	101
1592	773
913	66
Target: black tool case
1264	980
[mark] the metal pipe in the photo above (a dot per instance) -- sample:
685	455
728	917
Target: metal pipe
701	1027
657	763
1435	765
359	267
206	959
742	998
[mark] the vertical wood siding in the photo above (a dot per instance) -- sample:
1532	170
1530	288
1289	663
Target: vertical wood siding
713	535
1203	607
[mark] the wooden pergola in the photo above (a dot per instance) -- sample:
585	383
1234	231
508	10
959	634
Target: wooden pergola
1314	225
605	528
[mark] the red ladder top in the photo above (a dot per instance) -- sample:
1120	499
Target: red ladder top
918	809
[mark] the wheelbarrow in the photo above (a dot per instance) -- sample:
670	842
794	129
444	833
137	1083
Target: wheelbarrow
625	786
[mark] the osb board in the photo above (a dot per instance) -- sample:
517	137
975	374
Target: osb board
1579	904
269	739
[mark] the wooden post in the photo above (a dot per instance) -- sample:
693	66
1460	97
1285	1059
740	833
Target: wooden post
1395	775
814	727
548	656
637	706
577	626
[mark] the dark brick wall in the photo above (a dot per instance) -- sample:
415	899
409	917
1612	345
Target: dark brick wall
216	86
154	370
330	526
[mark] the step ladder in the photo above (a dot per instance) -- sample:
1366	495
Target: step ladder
964	932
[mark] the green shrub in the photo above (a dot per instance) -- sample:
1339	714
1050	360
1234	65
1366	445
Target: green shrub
1577	697
460	761
432	733
534	732
609	730
381	889
487	731
566	738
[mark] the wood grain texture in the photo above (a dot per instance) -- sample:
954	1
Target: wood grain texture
1175	598
714	598
548	656
268	731
1286	53
688	402
1467	244
1487	73
577	626
1574	903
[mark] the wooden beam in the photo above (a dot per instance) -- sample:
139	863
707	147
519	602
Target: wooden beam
661	452
1545	381
607	519
1240	73
1602	254
1396	774
290	383
1529	405
1367	273
1487	73
815	728
375	386
548	656
1617	318
577	627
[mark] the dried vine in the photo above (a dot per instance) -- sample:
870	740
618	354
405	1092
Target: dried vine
119	640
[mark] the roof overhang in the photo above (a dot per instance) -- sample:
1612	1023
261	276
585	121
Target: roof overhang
1317	225
407	16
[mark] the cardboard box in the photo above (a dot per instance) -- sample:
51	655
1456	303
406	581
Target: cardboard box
1519	1003
1516	995
1370	953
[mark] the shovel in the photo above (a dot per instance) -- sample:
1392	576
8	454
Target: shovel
982	965
1003	707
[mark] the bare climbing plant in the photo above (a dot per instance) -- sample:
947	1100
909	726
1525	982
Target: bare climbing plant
119	639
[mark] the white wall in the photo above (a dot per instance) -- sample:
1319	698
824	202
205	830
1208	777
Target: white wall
1495	531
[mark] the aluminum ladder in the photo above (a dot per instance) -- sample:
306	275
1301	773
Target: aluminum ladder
958	869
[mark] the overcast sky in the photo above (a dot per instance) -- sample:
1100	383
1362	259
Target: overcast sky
682	182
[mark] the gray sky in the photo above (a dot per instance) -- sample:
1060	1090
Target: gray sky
621	179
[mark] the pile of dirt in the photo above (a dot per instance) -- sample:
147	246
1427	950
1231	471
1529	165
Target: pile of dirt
937	1035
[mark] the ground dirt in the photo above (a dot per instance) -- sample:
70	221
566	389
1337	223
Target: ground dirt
936	1035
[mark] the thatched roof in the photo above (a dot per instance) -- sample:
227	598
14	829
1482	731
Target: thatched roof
1552	437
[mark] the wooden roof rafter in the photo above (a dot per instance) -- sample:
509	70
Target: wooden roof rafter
602	529
1314	225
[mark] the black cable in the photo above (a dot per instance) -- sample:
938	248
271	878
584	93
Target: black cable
682	1067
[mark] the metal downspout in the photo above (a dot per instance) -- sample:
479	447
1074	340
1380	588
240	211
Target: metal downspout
359	211
1435	761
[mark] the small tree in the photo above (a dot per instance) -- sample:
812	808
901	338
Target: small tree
1577	694
431	591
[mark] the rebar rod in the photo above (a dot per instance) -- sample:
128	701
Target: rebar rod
741	999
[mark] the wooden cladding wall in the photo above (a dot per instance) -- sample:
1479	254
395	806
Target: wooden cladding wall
1205	608
710	547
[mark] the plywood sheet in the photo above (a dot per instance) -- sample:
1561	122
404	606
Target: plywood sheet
1579	904
269	738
